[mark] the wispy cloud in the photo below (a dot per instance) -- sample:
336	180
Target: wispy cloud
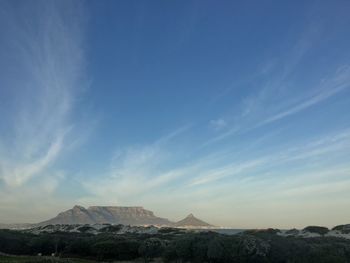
49	62
273	178
317	147
275	93
218	124
330	87
146	172
136	170
327	88
228	170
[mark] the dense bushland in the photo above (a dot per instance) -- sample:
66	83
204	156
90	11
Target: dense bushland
252	246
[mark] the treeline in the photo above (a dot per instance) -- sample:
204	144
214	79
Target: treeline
262	246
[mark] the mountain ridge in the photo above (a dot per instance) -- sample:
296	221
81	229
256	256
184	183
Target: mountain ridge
126	215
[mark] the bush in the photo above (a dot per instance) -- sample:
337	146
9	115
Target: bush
111	228
85	229
151	248
215	251
104	250
344	229
316	229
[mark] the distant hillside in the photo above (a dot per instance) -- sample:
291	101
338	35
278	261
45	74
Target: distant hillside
107	214
192	221
16	226
344	229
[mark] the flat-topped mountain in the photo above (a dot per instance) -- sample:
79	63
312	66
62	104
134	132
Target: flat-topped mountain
125	215
107	214
192	221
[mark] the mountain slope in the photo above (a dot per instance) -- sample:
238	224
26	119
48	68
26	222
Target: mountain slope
192	221
107	214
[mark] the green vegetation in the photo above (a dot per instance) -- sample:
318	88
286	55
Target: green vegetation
345	229
251	246
36	259
317	229
111	228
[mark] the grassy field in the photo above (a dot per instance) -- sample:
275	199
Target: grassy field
33	259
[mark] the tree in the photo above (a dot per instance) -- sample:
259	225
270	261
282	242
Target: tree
184	248
215	251
105	250
151	248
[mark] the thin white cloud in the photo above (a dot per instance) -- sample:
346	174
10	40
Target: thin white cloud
145	172
337	84
218	124
135	170
15	174
327	89
334	143
280	75
228	133
226	171
49	66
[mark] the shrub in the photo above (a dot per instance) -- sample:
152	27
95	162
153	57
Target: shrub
316	229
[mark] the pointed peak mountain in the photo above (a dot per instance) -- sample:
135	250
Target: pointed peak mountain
192	221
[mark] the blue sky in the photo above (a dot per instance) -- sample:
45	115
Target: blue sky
237	112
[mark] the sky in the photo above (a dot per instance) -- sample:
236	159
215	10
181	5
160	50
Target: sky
235	111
